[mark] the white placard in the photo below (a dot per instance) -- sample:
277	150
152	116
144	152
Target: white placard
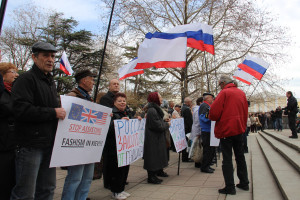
178	134
214	142
81	136
130	136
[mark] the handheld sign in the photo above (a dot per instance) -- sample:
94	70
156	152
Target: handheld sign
81	136
214	142
178	134
130	136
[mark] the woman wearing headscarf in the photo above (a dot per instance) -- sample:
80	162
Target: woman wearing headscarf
7	142
155	155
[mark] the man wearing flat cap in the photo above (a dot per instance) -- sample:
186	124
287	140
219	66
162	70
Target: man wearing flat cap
205	124
79	178
37	111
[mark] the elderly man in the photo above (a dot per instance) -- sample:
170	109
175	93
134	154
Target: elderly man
113	88
230	111
292	110
36	110
186	113
79	178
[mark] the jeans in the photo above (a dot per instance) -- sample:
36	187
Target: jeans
279	124
78	182
34	178
235	143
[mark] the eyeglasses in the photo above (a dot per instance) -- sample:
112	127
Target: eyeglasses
14	72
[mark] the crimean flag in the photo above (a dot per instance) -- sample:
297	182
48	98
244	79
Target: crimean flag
199	36
162	50
65	64
243	76
128	70
254	66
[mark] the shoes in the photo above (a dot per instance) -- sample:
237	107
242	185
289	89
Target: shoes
227	191
197	165
189	160
243	187
118	196
211	168
126	194
162	174
154	180
207	171
294	137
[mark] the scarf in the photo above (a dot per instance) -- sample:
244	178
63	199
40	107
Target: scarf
7	86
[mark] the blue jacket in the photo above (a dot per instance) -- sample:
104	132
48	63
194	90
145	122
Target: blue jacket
205	123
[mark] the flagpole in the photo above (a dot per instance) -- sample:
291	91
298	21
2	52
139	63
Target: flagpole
216	75
104	48
206	72
2	13
253	90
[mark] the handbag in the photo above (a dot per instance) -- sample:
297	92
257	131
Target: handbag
198	151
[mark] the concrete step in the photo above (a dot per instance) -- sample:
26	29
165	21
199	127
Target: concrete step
286	176
293	143
290	154
263	183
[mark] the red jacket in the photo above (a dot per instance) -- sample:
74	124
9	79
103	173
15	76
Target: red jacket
230	111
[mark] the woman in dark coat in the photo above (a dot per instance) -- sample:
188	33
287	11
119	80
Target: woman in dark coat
155	155
118	174
7	143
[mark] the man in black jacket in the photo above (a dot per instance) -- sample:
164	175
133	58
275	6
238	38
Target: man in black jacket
113	88
292	110
37	111
186	113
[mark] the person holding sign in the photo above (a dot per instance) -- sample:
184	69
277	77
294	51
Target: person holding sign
79	178
110	159
155	155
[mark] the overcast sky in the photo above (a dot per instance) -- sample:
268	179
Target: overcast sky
86	12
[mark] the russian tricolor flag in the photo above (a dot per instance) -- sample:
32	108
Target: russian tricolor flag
128	70
162	50
254	66
199	36
65	64
243	76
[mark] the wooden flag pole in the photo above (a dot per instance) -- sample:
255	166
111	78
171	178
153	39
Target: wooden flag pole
2	13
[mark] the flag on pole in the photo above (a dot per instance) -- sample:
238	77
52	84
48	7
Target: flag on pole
65	64
162	50
128	70
199	36
254	66
243	76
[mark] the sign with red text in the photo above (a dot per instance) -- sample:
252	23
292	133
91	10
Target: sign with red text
81	136
130	136
178	134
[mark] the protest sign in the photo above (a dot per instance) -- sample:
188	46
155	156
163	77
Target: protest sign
178	134
130	136
214	142
81	136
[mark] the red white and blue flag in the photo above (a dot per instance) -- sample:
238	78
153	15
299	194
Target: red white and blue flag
65	64
80	113
254	66
128	70
199	36
162	50
243	76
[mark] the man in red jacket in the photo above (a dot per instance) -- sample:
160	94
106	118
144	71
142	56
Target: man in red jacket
230	110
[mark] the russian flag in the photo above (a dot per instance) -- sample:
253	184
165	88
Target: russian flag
199	36
162	50
128	70
65	64
243	76
254	66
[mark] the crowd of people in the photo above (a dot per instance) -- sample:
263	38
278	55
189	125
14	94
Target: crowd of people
30	111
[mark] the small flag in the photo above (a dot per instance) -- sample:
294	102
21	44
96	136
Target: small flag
128	70
243	76
101	118
162	50
65	64
254	66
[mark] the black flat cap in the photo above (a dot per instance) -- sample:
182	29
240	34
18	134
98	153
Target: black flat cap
178	106
43	46
82	74
207	93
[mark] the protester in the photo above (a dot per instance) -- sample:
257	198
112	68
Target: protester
230	111
273	119
292	110
166	118
79	177
171	108
253	124
36	110
186	113
245	141
205	123
7	140
110	159
155	155
278	114
176	112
